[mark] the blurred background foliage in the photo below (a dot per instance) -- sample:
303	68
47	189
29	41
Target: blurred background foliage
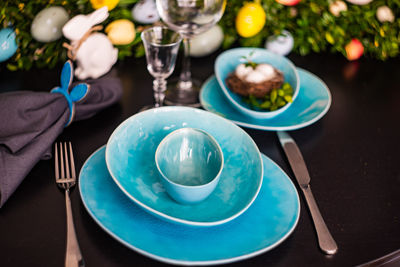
313	26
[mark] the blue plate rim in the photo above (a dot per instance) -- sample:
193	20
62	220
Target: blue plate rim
199	263
175	219
244	110
276	128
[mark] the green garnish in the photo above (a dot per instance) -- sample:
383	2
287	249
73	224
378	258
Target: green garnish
251	64
275	99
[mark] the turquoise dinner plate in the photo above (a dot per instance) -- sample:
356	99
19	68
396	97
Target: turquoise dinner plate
267	223
130	158
311	104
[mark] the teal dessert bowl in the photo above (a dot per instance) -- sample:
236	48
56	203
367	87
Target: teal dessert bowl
227	62
190	163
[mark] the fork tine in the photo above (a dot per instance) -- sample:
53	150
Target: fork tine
71	156
56	162
61	161
67	167
64	165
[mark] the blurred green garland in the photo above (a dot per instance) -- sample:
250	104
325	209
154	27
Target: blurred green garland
312	25
315	29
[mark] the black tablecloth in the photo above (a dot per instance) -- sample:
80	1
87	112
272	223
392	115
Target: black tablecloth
351	153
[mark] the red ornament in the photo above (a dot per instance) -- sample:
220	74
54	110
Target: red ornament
288	2
354	49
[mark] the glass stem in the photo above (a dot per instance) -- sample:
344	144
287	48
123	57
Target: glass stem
185	79
159	87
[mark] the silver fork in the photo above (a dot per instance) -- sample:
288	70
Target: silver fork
66	179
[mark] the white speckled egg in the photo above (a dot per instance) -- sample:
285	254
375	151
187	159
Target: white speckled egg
255	77
207	42
8	45
281	45
242	71
47	24
145	12
267	70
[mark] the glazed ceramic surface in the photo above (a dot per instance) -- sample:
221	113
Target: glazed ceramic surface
8	44
268	222
130	159
311	105
190	162
227	62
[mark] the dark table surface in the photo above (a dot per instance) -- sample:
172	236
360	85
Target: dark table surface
352	154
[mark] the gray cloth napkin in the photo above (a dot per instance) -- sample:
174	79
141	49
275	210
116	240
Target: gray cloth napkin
31	121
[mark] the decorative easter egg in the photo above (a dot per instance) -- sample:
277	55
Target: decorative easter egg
206	42
145	12
8	45
359	2
336	7
281	44
288	2
354	49
293	12
110	4
121	32
384	13
47	24
250	19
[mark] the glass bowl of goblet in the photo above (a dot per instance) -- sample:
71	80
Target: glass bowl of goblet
188	17
161	47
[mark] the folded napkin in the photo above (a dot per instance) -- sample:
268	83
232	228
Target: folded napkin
31	121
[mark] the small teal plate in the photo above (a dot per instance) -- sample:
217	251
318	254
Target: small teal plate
312	103
267	223
130	158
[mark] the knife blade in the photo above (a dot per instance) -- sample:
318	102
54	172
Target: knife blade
299	168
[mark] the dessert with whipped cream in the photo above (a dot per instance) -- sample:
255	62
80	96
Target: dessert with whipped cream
254	79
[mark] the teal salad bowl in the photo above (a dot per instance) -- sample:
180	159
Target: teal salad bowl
227	62
130	159
190	162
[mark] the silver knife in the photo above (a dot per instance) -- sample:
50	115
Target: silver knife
325	239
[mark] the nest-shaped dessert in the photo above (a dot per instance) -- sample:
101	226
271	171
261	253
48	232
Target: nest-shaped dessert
259	90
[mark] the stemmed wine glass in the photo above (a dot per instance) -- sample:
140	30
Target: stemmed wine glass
188	17
161	47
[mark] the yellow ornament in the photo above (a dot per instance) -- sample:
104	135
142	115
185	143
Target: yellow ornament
110	4
250	19
121	32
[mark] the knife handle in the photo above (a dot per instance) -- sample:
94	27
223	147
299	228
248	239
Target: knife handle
325	239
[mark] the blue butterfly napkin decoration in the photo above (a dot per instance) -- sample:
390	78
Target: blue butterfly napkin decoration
76	94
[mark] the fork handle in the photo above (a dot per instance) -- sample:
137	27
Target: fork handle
73	256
